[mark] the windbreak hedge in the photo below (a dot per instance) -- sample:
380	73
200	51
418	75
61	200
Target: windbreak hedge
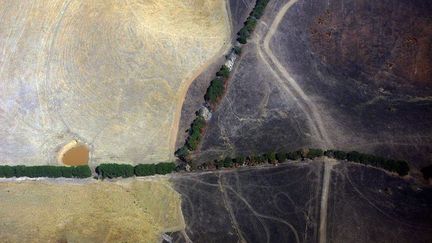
251	21
399	166
45	171
115	170
125	170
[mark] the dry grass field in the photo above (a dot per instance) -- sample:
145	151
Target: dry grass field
127	211
109	74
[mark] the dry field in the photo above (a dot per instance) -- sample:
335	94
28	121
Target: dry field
110	74
127	211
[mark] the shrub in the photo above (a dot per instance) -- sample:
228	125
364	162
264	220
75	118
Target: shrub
165	168
115	170
227	162
296	155
250	24
270	157
223	72
82	171
215	90
7	171
314	153
195	134
258	159
242	39
239	160
258	10
399	166
237	50
68	172
337	154
145	169
281	157
45	171
402	167
182	153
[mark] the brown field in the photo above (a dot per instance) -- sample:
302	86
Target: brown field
127	211
110	74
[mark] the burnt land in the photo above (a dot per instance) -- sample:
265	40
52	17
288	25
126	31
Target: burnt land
361	64
282	204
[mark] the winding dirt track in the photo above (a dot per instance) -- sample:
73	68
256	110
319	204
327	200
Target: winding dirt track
291	87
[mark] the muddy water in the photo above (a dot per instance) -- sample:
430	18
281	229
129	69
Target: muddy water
78	155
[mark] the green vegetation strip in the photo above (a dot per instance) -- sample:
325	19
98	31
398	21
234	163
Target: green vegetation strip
125	170
45	171
398	166
217	86
250	24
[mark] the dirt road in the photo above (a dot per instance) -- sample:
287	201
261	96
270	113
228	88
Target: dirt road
289	84
292	88
328	165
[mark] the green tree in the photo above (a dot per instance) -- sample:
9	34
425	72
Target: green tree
67	172
270	157
314	153
237	50
239	160
145	169
296	155
281	157
7	171
165	168
223	72
82	171
215	90
115	170
227	162
182	153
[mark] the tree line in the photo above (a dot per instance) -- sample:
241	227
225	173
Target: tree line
126	170
213	94
82	171
216	89
398	166
217	86
251	21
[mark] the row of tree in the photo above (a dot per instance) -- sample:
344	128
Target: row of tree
251	21
399	166
194	138
82	171
214	93
217	86
126	170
